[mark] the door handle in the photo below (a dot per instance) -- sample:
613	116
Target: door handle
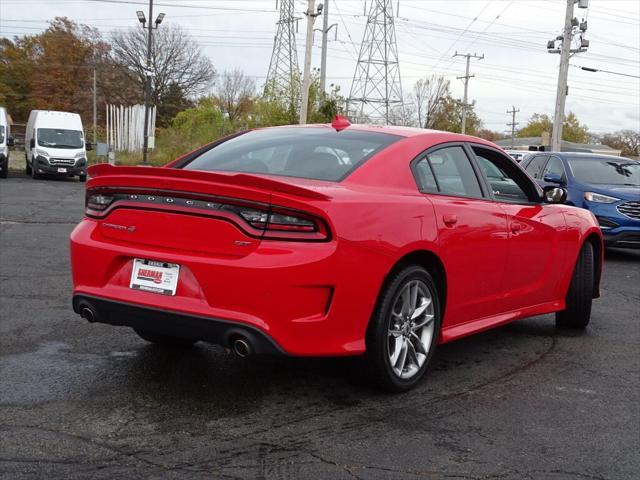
450	219
516	227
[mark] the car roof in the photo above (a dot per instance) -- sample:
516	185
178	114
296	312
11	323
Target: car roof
591	156
399	131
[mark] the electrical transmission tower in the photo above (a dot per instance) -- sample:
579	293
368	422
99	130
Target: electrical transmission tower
513	124
376	87
283	78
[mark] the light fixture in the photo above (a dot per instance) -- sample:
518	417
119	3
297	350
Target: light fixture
160	18
141	18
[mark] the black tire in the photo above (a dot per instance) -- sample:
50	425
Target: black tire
377	359
164	340
27	167
580	294
34	173
82	178
5	168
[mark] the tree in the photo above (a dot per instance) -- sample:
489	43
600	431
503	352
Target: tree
449	116
536	126
235	95
572	129
428	94
627	141
177	61
490	135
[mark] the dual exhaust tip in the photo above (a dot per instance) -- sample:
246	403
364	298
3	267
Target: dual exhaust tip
239	345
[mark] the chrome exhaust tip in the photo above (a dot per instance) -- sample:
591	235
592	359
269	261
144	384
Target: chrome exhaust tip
241	347
88	314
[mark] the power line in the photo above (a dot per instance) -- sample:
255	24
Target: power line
589	69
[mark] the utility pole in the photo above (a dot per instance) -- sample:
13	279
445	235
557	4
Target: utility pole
95	110
147	87
325	34
311	14
147	90
513	124
565	51
466	78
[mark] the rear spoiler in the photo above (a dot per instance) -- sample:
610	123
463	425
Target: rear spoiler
231	178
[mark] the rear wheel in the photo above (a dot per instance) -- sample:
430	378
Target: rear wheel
580	294
27	167
5	168
164	340
404	329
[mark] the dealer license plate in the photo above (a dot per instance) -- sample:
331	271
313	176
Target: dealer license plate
153	276
62	170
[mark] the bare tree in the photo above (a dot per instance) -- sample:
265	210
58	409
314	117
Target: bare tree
627	141
177	61
429	93
234	94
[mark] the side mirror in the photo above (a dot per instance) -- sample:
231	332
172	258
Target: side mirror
11	141
554	195
553	177
88	146
32	143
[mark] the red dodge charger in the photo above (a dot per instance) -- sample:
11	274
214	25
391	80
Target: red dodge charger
332	240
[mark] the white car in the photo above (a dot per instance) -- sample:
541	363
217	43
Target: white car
6	141
55	144
518	155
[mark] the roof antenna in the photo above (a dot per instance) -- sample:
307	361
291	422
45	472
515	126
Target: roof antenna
340	123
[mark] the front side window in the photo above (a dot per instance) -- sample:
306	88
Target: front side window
1	133
605	171
60	138
507	181
555	166
448	171
535	166
315	153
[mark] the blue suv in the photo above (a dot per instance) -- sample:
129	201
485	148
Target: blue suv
607	186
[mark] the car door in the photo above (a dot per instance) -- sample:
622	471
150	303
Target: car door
536	232
472	232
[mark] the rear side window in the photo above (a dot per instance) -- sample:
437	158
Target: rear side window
316	153
448	171
535	166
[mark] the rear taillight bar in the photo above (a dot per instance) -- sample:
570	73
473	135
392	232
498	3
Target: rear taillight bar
255	218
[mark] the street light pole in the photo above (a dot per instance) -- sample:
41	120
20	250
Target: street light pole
147	89
311	14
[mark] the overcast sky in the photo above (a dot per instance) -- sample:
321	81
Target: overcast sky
512	34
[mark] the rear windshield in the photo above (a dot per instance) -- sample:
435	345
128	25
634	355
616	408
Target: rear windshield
612	171
316	153
59	138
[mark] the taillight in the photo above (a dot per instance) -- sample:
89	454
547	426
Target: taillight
99	201
260	220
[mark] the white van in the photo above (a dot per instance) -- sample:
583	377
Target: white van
54	144
6	141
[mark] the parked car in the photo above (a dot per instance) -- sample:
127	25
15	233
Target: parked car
518	155
6	141
332	240
607	186
55	145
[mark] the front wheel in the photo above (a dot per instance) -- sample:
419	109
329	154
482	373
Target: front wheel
404	330
164	340
580	294
27	167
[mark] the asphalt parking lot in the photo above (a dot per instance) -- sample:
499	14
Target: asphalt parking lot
79	401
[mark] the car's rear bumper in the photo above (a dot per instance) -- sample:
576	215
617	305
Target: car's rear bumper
174	324
311	299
